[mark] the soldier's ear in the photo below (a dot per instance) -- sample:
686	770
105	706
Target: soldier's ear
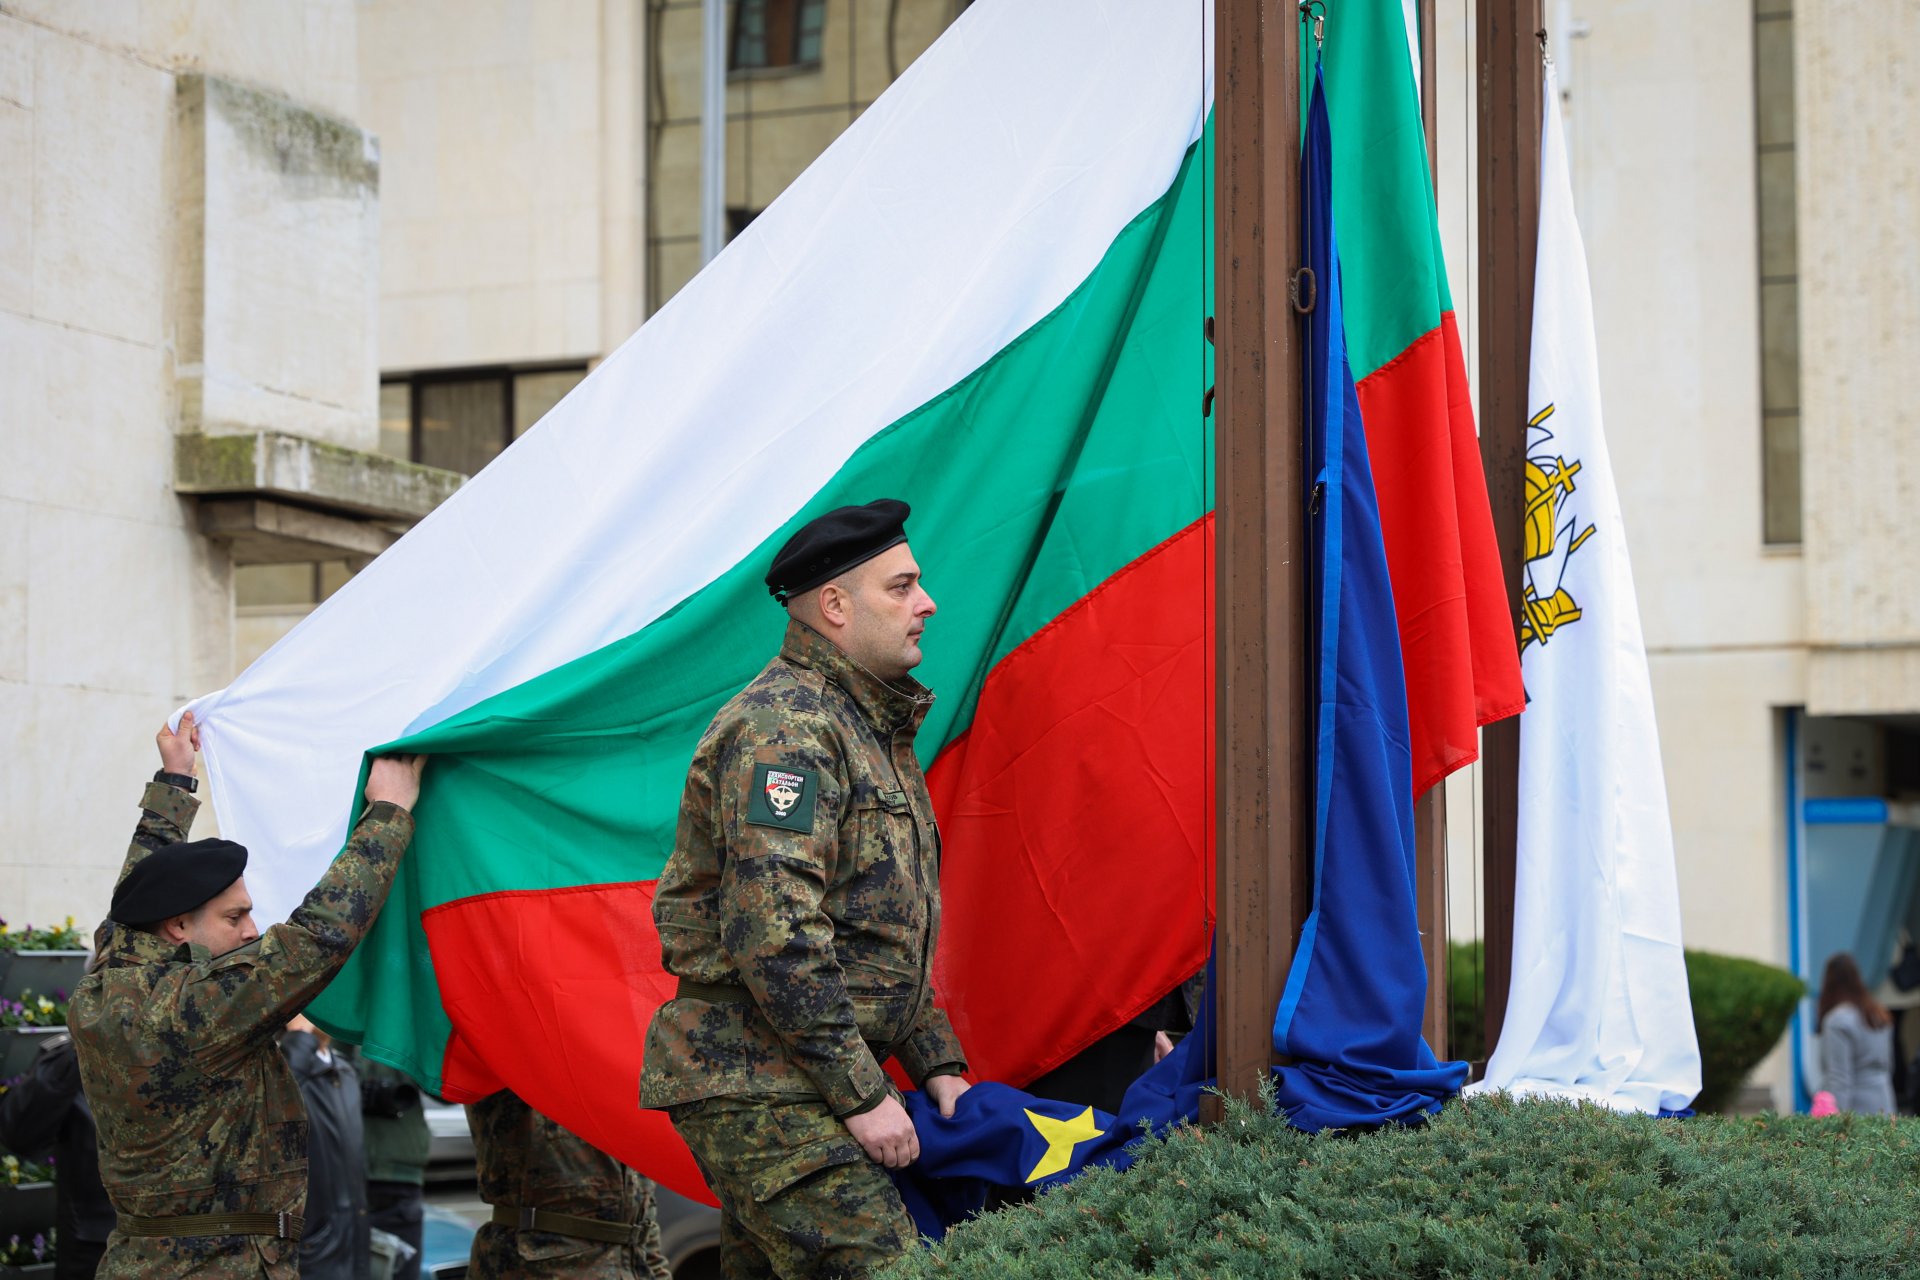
836	602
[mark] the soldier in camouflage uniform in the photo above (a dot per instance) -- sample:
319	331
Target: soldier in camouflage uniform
800	911
561	1206
203	1135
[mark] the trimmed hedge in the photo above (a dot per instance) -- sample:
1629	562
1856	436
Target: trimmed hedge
1494	1188
1740	1009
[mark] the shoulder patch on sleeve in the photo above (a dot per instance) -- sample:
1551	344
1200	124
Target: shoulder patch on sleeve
783	796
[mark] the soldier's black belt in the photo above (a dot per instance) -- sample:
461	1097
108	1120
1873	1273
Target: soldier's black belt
281	1226
565	1224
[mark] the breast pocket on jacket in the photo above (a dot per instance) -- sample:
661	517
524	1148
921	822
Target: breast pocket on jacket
880	894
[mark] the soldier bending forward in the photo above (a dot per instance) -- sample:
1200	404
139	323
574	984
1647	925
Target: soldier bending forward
800	910
203	1135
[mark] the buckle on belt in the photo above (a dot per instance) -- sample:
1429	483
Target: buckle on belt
526	1218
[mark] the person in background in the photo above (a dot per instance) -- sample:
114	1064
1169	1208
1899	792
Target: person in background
337	1244
45	1113
1856	1041
1100	1075
561	1206
398	1144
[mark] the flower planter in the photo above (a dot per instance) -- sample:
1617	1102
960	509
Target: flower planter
42	972
19	1046
37	1269
25	1210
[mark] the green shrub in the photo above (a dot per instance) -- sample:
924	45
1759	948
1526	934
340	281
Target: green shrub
1494	1188
1466	1001
1740	1009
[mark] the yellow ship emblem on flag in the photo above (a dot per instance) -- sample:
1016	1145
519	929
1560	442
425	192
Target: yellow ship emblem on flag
1550	538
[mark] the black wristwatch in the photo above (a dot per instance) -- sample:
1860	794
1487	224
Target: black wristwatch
185	781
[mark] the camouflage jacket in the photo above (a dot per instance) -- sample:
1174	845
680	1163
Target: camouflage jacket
526	1161
196	1107
806	870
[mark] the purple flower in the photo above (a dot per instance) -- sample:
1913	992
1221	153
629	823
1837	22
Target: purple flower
60	995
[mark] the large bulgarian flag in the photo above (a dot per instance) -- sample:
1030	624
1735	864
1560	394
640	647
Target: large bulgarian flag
986	298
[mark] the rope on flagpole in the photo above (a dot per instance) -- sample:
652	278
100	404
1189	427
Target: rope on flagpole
1208	674
1478	861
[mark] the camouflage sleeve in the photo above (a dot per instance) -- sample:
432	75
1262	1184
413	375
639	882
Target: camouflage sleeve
166	815
262	985
780	804
931	1049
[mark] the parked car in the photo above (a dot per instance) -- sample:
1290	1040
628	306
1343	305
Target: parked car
689	1236
450	1154
446	1243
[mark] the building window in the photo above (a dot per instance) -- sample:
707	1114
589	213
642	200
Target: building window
282	588
1779	270
461	419
777	33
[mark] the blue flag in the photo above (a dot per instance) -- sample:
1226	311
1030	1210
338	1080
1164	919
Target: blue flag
1351	1013
1002	1137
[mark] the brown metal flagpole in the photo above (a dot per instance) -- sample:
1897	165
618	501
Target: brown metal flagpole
1263	863
1507	41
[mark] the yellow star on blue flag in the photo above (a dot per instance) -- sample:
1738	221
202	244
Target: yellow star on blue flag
1062	1136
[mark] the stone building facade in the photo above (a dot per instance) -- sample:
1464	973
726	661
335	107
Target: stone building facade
188	272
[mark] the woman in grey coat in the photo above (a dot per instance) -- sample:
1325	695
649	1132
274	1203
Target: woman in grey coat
1856	1041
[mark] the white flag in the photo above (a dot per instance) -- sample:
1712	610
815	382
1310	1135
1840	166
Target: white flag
1597	1008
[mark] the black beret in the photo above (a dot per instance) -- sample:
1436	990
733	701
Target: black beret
176	879
829	545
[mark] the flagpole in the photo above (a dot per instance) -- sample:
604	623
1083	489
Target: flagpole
1508	51
1264	865
1430	809
713	129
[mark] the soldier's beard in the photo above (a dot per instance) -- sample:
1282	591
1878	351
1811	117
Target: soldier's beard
872	640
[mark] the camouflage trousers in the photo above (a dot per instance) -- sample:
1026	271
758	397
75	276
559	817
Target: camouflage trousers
506	1253
799	1199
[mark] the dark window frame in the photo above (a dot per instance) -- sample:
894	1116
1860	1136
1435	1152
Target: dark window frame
504	374
787	58
1782	456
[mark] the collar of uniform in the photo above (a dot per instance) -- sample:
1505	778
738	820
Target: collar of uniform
887	707
137	946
